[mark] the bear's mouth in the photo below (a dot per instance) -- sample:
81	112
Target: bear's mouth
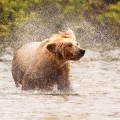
79	54
72	57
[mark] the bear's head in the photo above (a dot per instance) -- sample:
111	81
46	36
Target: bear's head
64	46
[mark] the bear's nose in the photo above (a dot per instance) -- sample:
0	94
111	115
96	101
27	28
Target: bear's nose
82	51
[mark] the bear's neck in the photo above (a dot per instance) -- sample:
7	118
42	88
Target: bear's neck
61	62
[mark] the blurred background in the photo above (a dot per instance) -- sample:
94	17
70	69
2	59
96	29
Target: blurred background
24	21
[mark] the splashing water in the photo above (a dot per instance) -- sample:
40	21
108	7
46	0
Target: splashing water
95	81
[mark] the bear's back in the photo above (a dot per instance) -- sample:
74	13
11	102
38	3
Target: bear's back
24	54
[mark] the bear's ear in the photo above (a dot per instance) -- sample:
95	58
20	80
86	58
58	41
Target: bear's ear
51	47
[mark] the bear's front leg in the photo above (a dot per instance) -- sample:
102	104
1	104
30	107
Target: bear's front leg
63	82
64	86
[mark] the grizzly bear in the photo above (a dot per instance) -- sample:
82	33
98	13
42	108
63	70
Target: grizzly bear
44	64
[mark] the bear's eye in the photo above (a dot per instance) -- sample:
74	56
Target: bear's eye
70	45
77	43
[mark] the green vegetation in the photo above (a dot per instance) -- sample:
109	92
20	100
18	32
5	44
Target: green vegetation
12	14
15	13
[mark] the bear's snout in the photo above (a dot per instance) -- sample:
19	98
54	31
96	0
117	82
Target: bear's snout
82	52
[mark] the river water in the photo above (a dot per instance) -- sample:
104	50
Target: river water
95	80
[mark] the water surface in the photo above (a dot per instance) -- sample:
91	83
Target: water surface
96	96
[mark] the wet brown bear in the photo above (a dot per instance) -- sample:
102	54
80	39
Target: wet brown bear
45	64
